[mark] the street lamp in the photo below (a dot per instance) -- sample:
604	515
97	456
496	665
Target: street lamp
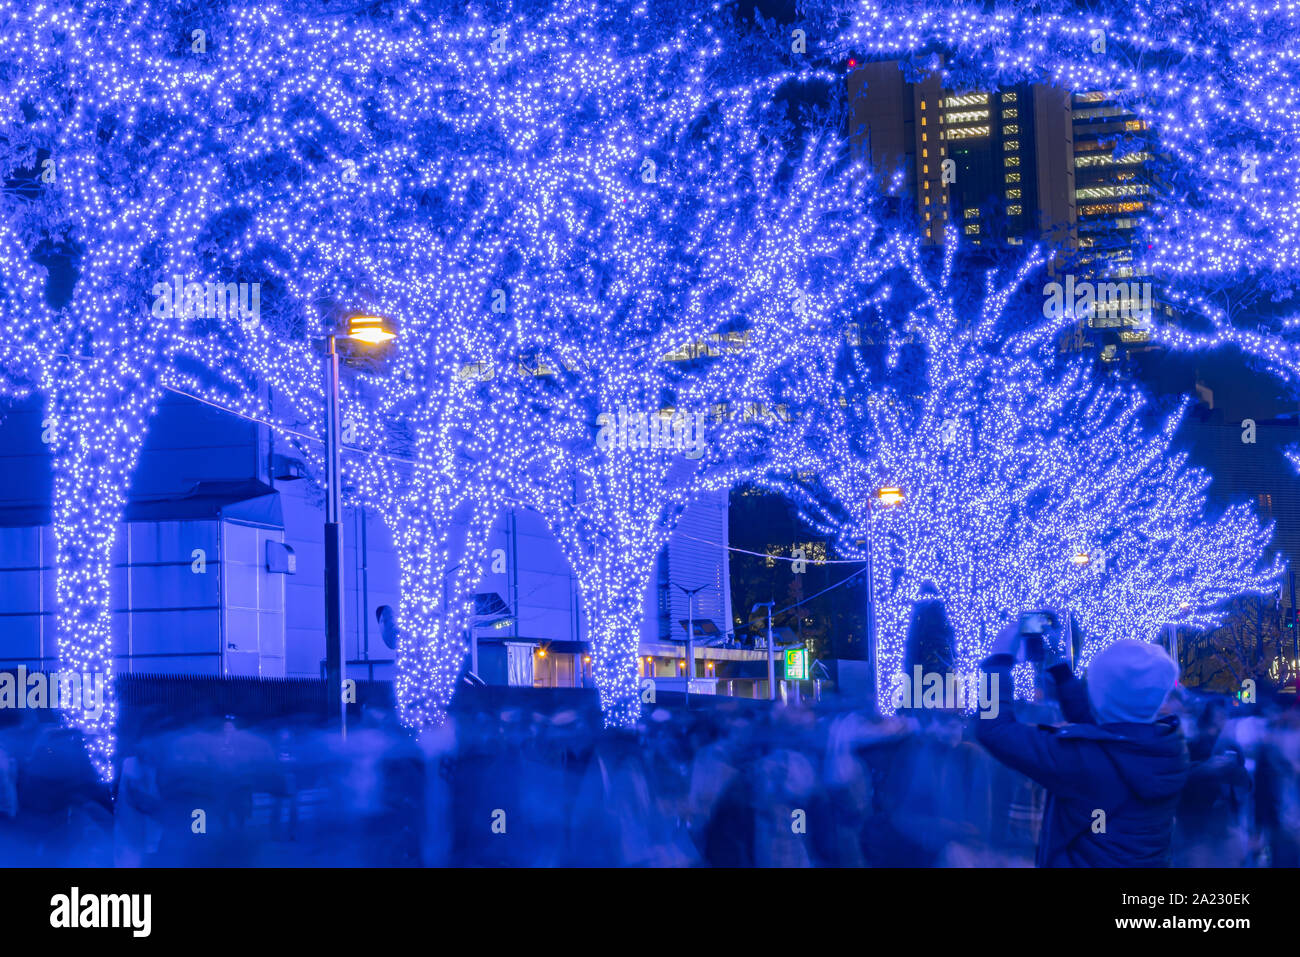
771	652
690	636
887	497
372	330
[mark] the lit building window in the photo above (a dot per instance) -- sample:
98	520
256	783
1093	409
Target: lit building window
925	154
1011	161
1013	194
1008	98
1107	192
1013	210
1011	145
972	229
970	99
925	169
971	213
1011	114
1011	129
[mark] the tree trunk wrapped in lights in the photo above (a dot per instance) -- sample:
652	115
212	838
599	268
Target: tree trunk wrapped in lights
113	190
684	247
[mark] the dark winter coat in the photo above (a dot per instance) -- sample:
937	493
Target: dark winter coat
1132	772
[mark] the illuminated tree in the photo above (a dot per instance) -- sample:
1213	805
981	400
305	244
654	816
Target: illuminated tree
352	192
424	428
573	189
1025	484
144	148
110	190
682	244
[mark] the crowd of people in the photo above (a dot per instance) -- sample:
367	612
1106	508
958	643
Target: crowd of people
728	783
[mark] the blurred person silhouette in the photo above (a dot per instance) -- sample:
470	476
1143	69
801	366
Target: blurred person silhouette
399	824
936	796
616	810
711	772
438	744
64	806
244	763
1277	784
137	828
1208	826
848	784
8	781
792	811
929	634
284	789
14	740
1114	774
729	838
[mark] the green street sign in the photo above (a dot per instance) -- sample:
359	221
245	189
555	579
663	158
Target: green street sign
796	664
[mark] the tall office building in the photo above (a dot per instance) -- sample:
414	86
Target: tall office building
1112	157
1022	163
998	165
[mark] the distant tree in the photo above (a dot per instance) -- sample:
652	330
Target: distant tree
1024	484
1250	644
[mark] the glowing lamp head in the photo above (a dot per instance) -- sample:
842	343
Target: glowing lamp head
370	329
890	495
1080	558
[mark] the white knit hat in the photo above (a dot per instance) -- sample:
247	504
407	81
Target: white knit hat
1129	680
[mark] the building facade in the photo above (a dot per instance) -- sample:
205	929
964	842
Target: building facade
219	570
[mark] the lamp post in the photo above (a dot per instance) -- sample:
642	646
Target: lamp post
372	330
690	635
771	651
885	497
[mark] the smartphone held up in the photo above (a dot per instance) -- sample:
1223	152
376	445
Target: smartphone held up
1041	631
